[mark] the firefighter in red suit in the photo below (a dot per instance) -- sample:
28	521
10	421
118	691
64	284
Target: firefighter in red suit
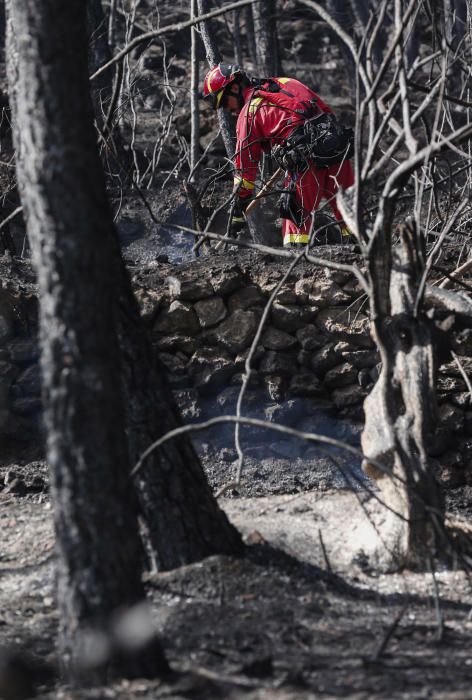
268	111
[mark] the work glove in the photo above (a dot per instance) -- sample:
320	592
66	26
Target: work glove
238	222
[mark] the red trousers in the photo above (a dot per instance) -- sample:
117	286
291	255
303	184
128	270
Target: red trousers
312	186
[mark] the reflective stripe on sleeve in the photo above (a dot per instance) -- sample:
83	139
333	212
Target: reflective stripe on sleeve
242	182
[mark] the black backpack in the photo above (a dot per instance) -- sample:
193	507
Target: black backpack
320	138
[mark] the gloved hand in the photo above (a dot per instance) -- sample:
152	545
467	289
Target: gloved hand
238	222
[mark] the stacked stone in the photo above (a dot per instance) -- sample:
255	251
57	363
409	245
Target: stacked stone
20	381
314	343
314	352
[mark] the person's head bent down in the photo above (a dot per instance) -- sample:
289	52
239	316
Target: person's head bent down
223	87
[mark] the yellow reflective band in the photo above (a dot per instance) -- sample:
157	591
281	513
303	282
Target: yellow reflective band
237	219
283	80
254	104
296	238
345	231
241	182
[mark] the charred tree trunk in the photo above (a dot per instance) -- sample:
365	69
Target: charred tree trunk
265	31
214	57
400	410
105	89
71	232
184	521
194	93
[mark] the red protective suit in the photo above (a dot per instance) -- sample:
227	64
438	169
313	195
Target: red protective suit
261	125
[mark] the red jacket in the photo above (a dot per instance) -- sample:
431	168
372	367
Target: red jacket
265	120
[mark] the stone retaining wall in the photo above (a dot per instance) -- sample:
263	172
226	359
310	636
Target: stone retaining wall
314	350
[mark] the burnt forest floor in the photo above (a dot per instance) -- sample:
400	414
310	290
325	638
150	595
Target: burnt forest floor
287	620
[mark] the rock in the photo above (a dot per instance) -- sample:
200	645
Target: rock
449	385
187	402
333	322
347	396
305	384
340	277
439	442
16	486
310	337
322	293
324	359
227	399
278	363
246	298
189	288
228	280
462	400
287	413
291	318
211	369
304	359
237	331
450	417
174	363
286	295
450	369
462	342
210	311
275	387
275	339
177	343
341	375
357	358
28	383
241	357
353	288
150	302
450	477
179	318
6	315
228	455
364	379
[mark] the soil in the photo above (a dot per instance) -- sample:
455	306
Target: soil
301	615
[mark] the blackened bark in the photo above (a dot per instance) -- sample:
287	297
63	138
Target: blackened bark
71	232
104	89
265	31
184	520
214	57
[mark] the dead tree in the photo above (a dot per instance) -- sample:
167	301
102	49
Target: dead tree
398	136
194	94
214	57
70	232
265	31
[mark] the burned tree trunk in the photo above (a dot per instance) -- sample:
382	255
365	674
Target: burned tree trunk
265	31
400	410
214	57
71	232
